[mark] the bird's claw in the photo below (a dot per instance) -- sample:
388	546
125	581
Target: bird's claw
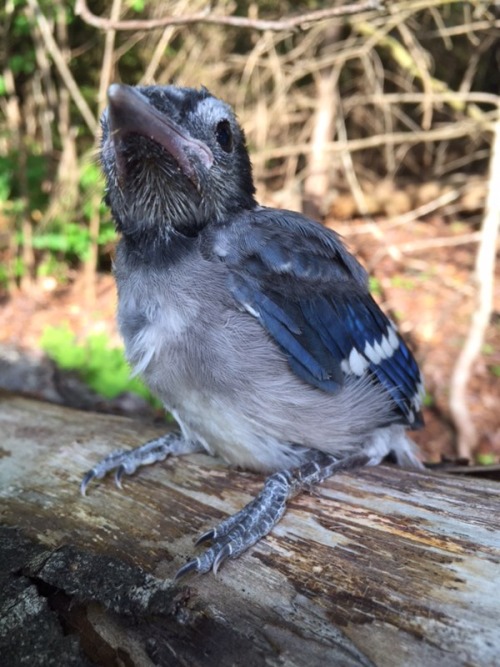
119	461
126	462
240	531
226	543
212	559
87	478
120	471
206	537
188	568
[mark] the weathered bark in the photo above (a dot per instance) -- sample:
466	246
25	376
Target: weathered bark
380	566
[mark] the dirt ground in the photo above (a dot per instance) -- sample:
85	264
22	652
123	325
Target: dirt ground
424	281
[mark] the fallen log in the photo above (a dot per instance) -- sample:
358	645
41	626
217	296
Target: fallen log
378	567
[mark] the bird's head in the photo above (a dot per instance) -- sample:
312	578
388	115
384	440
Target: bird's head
173	158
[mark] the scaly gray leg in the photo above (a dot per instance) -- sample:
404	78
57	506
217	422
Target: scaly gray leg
239	532
127	462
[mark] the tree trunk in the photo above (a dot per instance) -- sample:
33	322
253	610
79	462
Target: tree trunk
379	567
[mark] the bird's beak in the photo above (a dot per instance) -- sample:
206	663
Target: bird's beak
131	112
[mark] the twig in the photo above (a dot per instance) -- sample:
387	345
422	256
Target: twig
289	23
441	242
108	58
485	272
445	133
418	61
165	39
415	214
62	67
465	28
356	190
462	101
44	91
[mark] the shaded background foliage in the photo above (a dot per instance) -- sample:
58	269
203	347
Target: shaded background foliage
359	119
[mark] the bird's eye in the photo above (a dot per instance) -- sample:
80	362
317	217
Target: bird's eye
224	136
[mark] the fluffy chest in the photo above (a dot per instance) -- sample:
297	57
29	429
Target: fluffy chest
153	331
153	322
169	317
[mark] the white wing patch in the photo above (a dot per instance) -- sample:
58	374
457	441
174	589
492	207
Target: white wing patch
357	362
392	337
417	400
250	309
374	353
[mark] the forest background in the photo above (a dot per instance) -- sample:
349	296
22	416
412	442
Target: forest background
378	118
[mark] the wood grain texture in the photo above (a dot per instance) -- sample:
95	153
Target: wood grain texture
379	567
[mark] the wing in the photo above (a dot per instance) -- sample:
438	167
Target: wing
311	296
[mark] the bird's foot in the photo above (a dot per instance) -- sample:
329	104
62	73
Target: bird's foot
126	462
241	530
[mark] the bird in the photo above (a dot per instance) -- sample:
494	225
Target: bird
255	326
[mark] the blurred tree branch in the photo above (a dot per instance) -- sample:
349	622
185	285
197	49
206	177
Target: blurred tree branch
446	132
484	278
289	23
62	67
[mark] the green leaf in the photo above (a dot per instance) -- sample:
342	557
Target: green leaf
21	24
90	176
428	400
136	5
107	234
4	187
21	64
486	459
375	286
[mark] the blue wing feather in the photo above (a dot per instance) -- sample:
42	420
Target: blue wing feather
311	296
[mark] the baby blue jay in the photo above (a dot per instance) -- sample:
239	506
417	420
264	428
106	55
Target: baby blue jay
253	325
